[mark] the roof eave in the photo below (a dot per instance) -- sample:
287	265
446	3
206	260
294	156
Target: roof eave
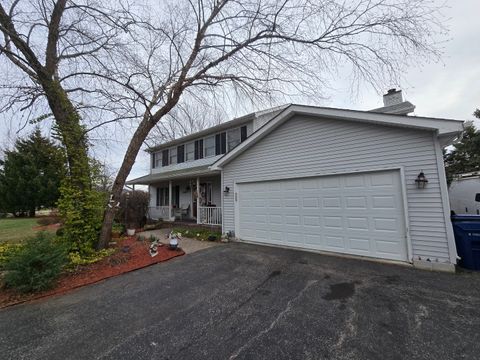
448	126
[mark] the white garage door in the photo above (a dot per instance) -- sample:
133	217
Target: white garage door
360	214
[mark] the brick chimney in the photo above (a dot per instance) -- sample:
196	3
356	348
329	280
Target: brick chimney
392	97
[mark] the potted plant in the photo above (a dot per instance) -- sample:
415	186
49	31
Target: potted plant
130	229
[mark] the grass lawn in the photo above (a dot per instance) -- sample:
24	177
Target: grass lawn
15	230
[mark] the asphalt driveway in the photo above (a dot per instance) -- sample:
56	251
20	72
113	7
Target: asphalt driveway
242	301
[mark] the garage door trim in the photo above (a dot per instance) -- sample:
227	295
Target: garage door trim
403	195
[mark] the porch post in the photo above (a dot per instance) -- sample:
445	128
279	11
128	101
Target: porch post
198	199
170	200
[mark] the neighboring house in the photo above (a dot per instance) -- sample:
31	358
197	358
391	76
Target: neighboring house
464	194
316	178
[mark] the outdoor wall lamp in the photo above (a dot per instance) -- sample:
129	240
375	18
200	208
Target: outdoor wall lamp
227	189
421	180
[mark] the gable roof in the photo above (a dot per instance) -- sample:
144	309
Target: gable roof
445	128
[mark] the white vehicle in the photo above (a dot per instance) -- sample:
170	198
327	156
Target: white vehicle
464	193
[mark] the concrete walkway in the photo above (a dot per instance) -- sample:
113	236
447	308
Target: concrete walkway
187	244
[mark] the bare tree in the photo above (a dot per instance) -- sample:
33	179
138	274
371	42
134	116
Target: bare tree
47	52
186	118
90	63
261	47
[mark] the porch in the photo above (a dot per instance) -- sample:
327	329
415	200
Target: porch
179	200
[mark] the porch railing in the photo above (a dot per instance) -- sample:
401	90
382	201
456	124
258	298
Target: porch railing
159	212
210	215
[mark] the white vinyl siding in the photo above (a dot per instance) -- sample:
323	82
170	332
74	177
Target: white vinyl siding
312	147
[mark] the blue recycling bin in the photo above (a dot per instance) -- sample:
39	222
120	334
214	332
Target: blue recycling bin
466	229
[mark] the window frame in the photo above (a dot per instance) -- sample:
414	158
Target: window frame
198	149
221	143
162	194
165	157
172	159
180	153
187	158
212	147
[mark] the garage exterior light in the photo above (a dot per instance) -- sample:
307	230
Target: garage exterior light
421	180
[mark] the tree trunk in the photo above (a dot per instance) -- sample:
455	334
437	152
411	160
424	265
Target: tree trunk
71	132
133	148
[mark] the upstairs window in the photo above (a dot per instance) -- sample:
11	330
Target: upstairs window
180	154
158	159
190	151
210	146
165	157
199	149
234	138
153	156
173	156
221	143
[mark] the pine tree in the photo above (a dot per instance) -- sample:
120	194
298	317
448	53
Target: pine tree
30	175
465	156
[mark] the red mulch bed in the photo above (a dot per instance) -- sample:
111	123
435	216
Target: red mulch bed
47	227
130	255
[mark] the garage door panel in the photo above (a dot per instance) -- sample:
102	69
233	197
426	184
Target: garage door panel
333	222
357	223
312	221
356	202
335	242
382	179
358	214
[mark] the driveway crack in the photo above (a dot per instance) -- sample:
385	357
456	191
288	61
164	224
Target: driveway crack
280	315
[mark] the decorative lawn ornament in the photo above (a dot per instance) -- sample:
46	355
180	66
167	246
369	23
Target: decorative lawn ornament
153	249
173	241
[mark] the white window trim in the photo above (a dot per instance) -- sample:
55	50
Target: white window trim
205	146
186	151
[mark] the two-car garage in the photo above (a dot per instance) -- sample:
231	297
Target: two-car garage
360	214
343	181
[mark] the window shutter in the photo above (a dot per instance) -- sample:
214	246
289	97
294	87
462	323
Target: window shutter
165	157
158	197
243	133
223	146
180	154
199	149
217	144
153	160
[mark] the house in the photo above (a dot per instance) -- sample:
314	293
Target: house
362	183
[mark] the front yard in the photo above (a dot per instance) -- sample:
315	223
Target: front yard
14	230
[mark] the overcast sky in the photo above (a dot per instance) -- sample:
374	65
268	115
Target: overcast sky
448	89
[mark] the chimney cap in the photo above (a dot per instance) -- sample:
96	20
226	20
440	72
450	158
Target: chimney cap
392	91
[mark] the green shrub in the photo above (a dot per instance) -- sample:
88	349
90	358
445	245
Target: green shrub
6	251
36	265
48	220
76	259
82	214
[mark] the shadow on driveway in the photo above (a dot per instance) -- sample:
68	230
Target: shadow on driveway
241	301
